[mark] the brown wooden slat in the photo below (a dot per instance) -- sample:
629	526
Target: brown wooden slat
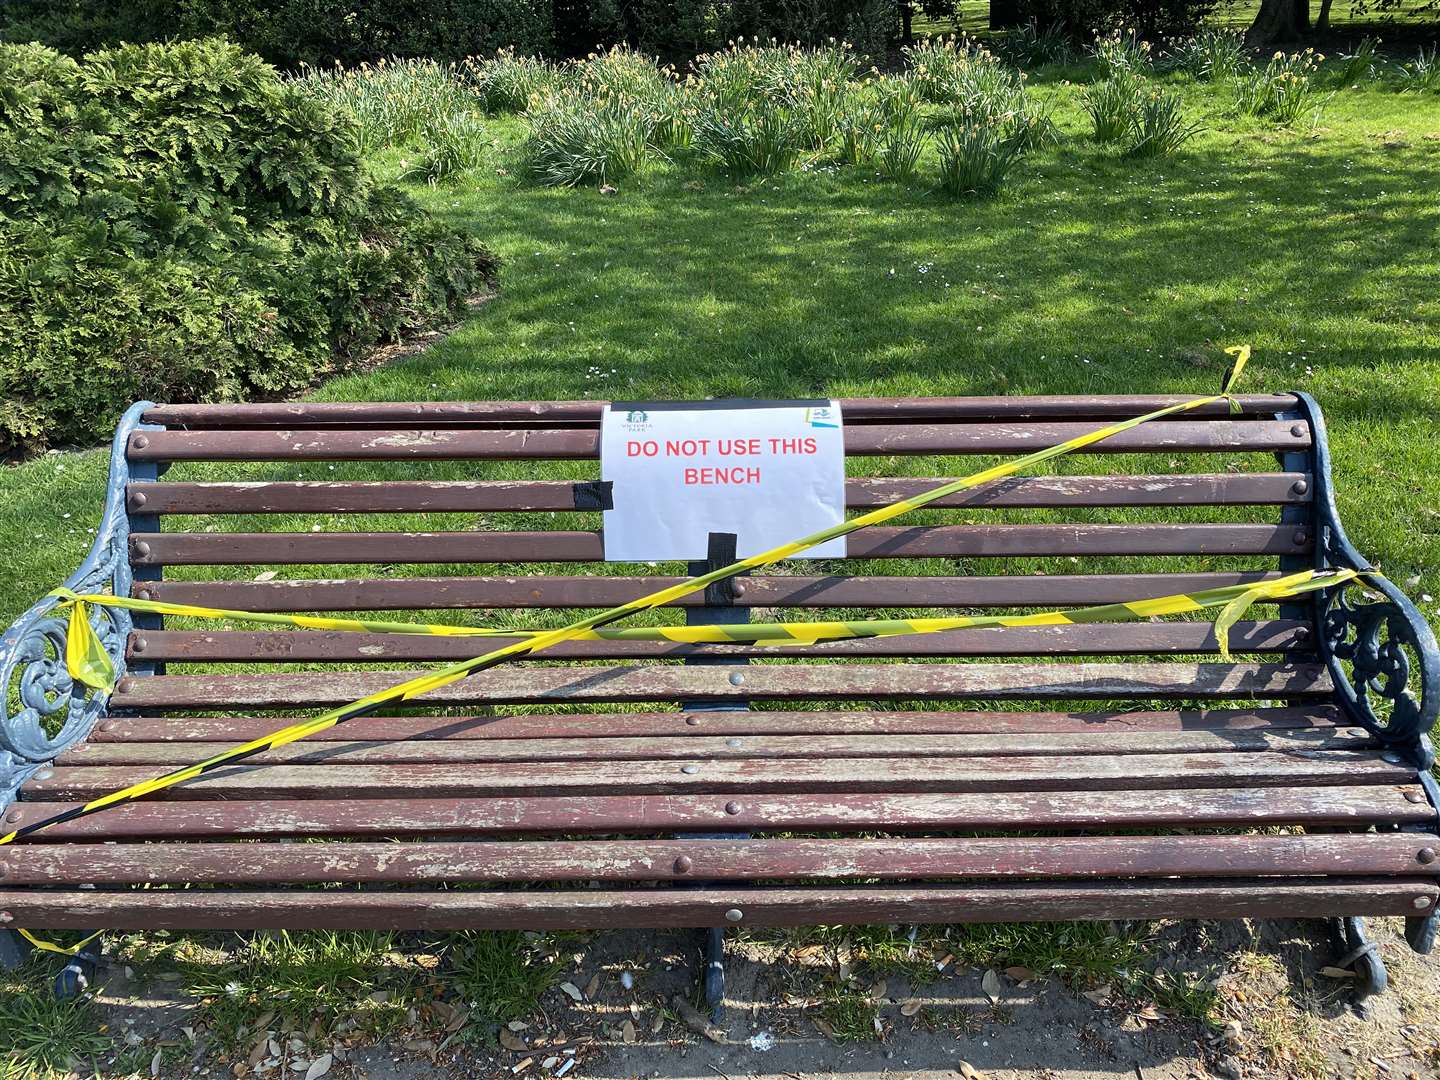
446	444
414	594
877	542
861	493
763	682
896	859
472	780
544	909
517	413
440	751
1378	804
1321	717
322	646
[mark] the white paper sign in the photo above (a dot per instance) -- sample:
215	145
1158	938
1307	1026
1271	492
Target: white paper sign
768	473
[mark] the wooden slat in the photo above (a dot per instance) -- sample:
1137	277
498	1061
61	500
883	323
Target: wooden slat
724	722
764	682
439	751
877	542
861	493
473	780
1378	804
320	646
446	444
902	859
519	413
414	594
544	909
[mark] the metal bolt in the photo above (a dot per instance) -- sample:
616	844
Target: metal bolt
733	744
44	774
1414	796
1426	855
1390	759
14	816
140	644
5	916
144	594
738	587
689	770
138	499
1302	633
735	914
692	721
1298	430
1300	487
737	679
683	864
140	442
126	686
1422	901
142	548
108	725
1301	536
732	808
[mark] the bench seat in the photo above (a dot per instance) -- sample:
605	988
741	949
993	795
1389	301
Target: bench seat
1102	771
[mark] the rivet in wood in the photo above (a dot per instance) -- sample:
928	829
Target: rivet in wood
734	915
144	594
1414	796
1301	536
126	686
733	744
140	644
1422	901
738	588
1301	633
142	548
140	442
44	774
1298	430
1425	855
1300	487
689	770
1390	759
683	864
14	816
693	721
107	726
5	917
732	808
737	679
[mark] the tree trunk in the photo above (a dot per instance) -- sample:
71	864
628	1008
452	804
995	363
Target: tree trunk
907	23
1279	20
1004	14
1322	21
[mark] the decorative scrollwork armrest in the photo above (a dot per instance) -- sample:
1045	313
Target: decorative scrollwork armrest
43	710
1383	660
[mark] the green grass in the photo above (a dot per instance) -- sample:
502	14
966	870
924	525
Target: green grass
40	1036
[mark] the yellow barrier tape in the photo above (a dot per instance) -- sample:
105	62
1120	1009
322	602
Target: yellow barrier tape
545	639
1236	598
50	946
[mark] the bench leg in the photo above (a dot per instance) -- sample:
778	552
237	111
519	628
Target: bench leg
14	950
78	975
714	977
1358	953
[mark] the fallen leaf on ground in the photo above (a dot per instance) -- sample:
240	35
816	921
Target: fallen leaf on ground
1100	995
592	987
695	1020
512	1042
990	983
878	990
319	1067
1020	974
517	1025
627	1031
969	1072
1336	973
824	1028
910	1008
155	1062
572	991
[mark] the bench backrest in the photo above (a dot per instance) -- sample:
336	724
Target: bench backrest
418	506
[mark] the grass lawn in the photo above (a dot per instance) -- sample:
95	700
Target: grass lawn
1091	274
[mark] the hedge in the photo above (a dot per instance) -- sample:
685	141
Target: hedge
178	222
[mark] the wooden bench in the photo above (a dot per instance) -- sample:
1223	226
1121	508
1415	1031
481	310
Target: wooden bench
665	785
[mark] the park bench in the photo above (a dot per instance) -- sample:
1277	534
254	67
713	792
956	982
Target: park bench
1114	771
